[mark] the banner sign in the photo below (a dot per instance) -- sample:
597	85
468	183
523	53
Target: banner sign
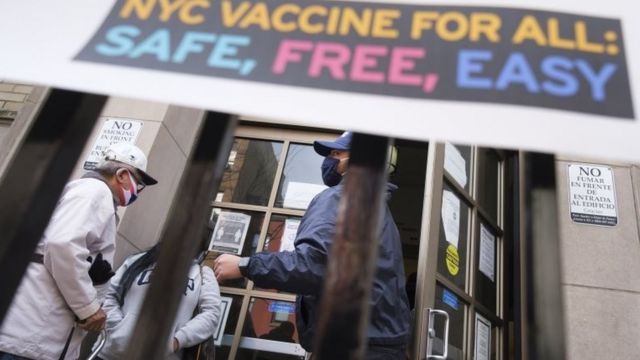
483	54
535	75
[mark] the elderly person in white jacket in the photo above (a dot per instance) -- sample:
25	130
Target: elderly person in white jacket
57	291
126	294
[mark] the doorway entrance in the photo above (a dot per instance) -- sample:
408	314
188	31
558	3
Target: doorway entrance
449	209
463	304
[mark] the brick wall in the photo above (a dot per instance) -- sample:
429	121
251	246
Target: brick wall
12	98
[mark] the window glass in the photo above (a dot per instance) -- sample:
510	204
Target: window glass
485	342
234	232
488	164
452	245
274	320
271	319
486	276
301	177
250	172
222	351
448	301
405	202
280	235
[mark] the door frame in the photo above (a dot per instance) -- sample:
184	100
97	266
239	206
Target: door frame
428	250
427	277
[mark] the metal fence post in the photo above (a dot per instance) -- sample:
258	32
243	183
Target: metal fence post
344	312
35	176
182	235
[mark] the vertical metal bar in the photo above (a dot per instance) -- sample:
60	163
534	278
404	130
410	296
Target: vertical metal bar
428	256
344	310
182	235
512	270
545	325
35	177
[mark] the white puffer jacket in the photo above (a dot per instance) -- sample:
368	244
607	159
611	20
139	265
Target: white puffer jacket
201	291
42	313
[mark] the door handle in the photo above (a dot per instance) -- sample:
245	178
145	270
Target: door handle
431	333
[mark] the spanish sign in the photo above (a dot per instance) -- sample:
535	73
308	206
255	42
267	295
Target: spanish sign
114	130
539	75
592	195
521	57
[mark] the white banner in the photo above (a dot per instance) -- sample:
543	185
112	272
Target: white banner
555	76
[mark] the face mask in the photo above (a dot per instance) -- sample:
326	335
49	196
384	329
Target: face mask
330	175
126	196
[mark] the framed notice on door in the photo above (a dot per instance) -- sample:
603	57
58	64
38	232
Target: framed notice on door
483	339
229	233
225	305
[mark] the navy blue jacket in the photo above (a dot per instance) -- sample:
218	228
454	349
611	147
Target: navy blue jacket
302	272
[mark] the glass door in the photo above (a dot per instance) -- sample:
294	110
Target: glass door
270	178
459	304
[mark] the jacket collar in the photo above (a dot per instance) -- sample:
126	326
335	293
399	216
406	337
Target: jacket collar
96	175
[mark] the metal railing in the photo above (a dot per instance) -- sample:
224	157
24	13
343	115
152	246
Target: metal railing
37	172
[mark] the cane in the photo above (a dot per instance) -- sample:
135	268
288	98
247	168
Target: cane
102	339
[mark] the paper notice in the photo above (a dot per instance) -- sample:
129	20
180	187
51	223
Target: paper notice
487	252
229	233
289	234
454	164
483	339
451	217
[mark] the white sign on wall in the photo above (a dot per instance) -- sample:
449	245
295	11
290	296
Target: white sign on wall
592	195
114	130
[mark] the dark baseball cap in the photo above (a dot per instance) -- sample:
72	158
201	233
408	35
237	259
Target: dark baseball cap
342	143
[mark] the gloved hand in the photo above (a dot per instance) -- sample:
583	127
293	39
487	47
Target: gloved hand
100	271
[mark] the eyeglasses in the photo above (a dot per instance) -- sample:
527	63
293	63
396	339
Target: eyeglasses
140	185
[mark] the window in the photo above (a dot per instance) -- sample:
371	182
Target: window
271	177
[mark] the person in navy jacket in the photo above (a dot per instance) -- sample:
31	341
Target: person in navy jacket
302	270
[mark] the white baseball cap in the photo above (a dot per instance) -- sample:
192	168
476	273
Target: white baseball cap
131	155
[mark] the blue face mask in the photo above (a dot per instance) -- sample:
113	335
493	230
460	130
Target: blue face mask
330	174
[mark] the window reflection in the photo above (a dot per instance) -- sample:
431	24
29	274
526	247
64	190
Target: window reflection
222	351
281	235
272	320
250	172
488	166
301	177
